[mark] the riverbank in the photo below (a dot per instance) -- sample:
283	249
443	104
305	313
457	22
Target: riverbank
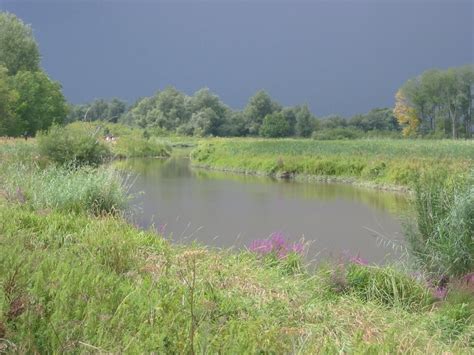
72	282
383	164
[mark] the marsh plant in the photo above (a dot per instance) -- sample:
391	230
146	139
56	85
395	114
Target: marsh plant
70	189
441	238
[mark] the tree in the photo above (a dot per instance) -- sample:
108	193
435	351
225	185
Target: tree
18	48
40	102
304	122
259	106
275	125
405	114
8	99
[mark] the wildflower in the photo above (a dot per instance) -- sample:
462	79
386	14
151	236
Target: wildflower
276	245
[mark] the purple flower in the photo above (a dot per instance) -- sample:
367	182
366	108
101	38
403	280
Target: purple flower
440	292
469	278
358	260
162	229
276	245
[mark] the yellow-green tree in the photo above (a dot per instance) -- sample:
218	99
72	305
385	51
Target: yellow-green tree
406	114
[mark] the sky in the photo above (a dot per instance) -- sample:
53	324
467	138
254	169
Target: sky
339	57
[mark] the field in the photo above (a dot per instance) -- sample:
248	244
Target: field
389	163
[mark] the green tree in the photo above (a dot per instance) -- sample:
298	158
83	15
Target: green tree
304	122
275	125
259	106
40	102
18	48
8	99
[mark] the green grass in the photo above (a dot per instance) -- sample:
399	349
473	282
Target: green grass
378	161
441	236
80	284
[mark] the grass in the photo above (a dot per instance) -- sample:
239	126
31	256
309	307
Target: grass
442	237
81	284
377	161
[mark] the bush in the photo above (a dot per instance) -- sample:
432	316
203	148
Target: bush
441	239
73	144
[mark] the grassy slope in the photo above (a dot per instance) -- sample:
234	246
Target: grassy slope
75	283
383	162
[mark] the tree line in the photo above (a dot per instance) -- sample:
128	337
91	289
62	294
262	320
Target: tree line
438	103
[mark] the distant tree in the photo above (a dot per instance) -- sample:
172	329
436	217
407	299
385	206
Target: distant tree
259	106
116	108
304	122
275	125
40	101
406	114
378	119
333	121
8	99
440	99
290	116
18	48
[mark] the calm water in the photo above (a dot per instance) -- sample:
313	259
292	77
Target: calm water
229	210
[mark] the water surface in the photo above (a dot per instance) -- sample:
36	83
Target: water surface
230	210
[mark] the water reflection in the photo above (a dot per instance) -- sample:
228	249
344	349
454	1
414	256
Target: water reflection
227	210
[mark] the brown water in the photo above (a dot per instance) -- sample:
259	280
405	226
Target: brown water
229	210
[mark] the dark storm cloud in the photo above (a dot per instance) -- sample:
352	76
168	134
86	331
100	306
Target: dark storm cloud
339	56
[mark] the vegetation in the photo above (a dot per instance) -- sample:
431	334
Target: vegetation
437	102
82	143
392	162
29	100
75	282
442	239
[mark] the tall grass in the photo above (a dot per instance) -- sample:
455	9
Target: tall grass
71	189
380	161
442	237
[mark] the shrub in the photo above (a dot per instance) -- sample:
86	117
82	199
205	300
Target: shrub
73	145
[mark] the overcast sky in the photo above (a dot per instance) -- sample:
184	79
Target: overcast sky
342	57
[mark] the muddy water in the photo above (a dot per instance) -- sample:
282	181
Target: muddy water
230	210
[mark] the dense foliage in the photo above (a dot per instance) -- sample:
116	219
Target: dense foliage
29	100
438	102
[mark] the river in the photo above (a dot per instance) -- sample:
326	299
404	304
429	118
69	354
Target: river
230	210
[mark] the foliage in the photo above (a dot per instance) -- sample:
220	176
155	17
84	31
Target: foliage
274	126
437	101
8	99
442	238
73	145
40	102
406	115
110	111
18	48
29	100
